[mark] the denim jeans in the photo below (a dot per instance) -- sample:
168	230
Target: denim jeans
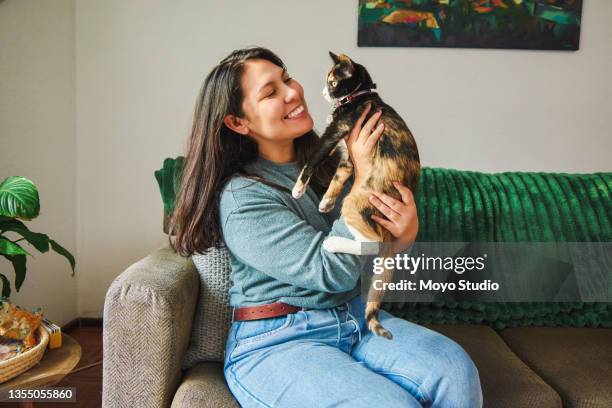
328	358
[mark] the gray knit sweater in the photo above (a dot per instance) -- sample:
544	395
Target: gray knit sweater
275	242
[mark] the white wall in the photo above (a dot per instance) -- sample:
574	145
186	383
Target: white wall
37	140
140	63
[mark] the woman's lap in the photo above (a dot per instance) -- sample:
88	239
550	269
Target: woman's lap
307	361
310	374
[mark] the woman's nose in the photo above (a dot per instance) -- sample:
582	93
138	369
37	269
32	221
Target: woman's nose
292	94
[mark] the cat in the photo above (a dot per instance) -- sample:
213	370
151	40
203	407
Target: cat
394	158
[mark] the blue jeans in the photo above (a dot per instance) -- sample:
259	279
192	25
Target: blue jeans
328	357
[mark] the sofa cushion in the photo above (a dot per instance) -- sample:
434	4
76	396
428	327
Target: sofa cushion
576	362
204	386
213	313
506	381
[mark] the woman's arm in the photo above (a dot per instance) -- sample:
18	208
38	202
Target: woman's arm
262	232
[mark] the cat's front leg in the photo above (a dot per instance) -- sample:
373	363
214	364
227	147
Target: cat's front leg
343	172
327	142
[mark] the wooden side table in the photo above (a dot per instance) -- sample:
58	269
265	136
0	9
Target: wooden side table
54	366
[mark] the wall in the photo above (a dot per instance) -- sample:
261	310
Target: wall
139	65
37	140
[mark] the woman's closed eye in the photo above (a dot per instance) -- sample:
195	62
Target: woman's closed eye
273	92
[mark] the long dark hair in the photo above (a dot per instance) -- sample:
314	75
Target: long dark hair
215	153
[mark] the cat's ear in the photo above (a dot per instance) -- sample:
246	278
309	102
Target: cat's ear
348	63
334	57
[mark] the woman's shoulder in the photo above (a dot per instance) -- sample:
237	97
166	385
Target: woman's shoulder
240	191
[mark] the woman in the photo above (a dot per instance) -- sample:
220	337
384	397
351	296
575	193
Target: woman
309	346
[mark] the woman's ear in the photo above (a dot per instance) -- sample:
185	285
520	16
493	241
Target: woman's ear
238	125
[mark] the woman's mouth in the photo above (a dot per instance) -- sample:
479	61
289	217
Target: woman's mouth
297	113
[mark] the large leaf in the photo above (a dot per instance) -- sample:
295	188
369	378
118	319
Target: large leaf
19	265
62	251
36	239
19	198
10	248
6	286
168	179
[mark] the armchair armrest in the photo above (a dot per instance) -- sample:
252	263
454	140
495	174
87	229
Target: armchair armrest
148	312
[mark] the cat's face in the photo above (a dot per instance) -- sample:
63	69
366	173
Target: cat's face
341	79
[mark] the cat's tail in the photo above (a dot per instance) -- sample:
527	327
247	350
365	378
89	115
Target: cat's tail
375	294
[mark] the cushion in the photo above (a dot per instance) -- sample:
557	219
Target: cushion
204	386
213	313
506	381
577	362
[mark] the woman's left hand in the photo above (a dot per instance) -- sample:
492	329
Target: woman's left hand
401	216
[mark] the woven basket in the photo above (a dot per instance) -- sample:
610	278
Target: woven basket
14	366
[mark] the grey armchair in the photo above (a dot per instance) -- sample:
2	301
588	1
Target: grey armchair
148	314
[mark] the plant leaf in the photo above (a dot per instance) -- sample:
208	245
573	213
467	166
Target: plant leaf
36	239
19	264
6	286
19	198
62	251
169	181
10	248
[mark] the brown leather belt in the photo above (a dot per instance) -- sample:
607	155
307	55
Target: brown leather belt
264	311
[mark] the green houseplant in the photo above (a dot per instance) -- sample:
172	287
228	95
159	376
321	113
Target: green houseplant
19	201
168	179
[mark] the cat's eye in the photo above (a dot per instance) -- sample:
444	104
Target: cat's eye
334	83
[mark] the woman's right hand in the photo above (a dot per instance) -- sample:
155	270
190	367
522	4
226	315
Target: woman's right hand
360	141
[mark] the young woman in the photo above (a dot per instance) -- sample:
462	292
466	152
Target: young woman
298	337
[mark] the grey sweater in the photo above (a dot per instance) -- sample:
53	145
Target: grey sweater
275	242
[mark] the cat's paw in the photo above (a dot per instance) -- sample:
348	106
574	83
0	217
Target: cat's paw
341	244
298	189
326	205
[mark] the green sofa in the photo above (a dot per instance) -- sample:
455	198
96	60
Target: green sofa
528	355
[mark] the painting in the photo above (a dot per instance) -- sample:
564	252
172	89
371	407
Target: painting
516	24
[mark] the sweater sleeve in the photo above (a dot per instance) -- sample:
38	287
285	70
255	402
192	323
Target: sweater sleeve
260	230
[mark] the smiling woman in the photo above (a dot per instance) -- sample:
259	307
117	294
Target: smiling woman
275	112
294	303
242	113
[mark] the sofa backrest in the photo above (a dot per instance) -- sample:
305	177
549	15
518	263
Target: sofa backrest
466	206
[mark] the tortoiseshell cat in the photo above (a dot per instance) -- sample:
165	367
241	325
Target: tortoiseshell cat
394	158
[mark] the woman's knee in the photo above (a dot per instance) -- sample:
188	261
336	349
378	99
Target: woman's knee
458	384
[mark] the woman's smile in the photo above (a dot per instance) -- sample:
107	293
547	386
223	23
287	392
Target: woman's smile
297	113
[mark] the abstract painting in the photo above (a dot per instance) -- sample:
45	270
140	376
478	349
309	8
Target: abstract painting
517	24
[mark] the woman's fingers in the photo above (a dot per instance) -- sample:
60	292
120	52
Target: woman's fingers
369	125
375	135
405	192
352	136
385	223
384	208
395	205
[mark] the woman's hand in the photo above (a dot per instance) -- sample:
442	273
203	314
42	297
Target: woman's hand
401	216
360	142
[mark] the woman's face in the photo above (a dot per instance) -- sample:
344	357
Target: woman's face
274	105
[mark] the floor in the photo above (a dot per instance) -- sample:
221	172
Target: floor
87	375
